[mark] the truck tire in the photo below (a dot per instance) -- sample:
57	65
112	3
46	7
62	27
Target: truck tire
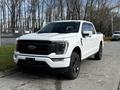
98	55
74	68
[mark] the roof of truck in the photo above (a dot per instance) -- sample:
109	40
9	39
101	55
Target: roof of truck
72	21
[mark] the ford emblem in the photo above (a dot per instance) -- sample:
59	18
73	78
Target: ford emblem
31	47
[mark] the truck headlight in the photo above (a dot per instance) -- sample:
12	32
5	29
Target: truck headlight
60	47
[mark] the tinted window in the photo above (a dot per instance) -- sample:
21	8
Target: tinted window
116	32
85	27
88	27
92	28
61	27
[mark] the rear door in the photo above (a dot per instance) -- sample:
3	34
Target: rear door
94	38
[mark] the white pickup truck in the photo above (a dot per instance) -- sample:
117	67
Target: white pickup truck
59	45
116	35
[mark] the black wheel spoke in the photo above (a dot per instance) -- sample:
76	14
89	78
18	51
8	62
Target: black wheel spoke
76	66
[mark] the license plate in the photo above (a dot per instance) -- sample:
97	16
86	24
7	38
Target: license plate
30	60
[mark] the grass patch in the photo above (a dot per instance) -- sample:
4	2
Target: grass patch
6	57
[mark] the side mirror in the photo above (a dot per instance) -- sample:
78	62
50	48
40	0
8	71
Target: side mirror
87	33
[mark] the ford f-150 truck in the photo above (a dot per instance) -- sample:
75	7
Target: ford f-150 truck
59	45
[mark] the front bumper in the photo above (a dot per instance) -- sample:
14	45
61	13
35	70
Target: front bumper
58	63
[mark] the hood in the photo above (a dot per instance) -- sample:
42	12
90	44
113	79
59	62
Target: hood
47	36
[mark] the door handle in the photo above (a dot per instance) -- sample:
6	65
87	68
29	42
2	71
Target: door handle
81	40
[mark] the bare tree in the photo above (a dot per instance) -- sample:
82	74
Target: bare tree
30	14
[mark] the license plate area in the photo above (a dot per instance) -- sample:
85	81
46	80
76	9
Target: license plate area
30	61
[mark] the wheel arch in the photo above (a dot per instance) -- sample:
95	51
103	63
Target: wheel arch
77	50
101	43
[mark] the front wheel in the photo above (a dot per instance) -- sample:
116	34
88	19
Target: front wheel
98	55
74	67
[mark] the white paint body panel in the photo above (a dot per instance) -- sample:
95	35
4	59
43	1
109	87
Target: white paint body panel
87	45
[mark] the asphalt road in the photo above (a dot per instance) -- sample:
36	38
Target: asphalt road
94	75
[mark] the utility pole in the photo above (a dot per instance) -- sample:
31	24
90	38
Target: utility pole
112	22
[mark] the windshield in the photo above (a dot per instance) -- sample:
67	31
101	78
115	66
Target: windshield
61	27
116	32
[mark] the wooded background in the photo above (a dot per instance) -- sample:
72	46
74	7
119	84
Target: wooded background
33	14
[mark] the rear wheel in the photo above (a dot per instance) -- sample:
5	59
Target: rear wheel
74	67
98	55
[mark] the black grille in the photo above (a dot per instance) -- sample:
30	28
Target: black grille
35	47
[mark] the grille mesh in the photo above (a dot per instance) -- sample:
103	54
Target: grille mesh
35	47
